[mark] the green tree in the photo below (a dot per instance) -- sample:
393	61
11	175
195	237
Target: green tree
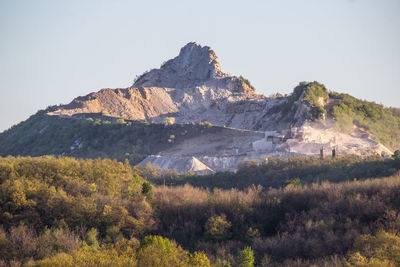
199	259
295	183
159	251
245	258
92	239
147	190
218	228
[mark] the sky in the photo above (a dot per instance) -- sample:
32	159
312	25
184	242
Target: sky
53	51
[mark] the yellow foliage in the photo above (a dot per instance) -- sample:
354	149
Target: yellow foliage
159	251
120	254
199	259
380	250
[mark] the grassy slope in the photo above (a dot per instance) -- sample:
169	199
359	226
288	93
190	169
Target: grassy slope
383	123
100	137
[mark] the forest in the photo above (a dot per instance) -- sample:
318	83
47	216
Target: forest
62	211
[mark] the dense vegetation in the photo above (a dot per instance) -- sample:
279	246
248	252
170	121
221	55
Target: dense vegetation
94	136
68	212
383	123
313	95
277	172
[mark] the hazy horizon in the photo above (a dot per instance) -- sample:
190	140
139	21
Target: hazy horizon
52	52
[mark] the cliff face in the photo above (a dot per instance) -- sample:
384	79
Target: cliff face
191	88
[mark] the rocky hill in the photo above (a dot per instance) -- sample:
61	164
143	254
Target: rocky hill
189	88
234	122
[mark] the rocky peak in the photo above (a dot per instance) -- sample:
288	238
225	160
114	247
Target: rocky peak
196	62
194	65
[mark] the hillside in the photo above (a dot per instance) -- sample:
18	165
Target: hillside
95	136
188	115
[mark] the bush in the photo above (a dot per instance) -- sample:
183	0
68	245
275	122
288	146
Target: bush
120	121
104	112
169	121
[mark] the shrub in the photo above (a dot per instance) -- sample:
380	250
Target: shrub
169	121
120	121
104	112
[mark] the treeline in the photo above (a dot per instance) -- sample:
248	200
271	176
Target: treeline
277	172
68	212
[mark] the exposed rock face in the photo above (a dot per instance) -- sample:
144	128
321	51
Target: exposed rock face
192	88
193	66
132	103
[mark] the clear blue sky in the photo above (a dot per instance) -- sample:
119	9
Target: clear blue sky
53	51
